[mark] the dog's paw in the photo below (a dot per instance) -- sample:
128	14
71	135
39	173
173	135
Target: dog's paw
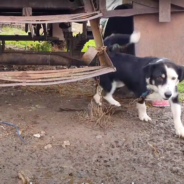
116	103
111	100
180	131
144	117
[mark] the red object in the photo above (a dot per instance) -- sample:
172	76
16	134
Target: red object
161	103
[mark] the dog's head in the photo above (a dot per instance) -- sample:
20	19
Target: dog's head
163	77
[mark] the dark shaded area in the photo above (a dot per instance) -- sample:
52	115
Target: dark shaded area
122	25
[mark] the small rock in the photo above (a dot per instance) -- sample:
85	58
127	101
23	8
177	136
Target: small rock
66	143
79	175
71	174
39	106
42	133
37	135
99	136
48	146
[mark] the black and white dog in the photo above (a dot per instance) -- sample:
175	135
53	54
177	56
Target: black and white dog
150	78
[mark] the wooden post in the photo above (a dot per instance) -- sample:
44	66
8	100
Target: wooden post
164	10
96	34
102	5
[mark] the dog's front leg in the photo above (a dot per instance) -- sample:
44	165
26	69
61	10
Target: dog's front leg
141	106
176	110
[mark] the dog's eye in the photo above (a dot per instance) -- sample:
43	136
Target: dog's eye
173	78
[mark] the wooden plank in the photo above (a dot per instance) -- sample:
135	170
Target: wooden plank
102	6
162	40
128	12
179	3
164	10
155	4
133	12
126	1
147	3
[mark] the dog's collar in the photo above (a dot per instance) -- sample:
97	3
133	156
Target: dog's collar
145	94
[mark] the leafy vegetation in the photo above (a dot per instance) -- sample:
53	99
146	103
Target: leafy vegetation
89	43
181	91
27	45
34	45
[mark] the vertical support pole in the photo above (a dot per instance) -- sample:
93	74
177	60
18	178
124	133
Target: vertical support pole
102	5
96	33
3	45
27	11
84	30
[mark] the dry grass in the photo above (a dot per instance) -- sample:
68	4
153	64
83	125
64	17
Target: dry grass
95	116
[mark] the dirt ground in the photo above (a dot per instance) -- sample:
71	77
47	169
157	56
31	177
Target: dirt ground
73	149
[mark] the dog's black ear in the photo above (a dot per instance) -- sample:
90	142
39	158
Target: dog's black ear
147	70
181	73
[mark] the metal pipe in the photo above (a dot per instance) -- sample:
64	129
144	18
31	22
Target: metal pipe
23	58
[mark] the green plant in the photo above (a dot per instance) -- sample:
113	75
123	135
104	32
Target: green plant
87	44
181	91
27	45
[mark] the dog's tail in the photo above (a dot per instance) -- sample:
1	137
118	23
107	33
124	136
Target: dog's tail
122	39
135	37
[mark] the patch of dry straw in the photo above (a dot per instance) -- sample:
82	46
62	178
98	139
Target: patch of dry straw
95	116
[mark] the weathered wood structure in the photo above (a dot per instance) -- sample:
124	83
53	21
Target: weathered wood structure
159	21
161	34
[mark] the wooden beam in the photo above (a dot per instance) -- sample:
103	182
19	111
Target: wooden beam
147	3
102	6
129	12
134	12
164	10
155	4
127	1
178	3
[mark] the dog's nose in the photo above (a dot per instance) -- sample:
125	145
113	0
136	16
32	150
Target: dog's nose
168	94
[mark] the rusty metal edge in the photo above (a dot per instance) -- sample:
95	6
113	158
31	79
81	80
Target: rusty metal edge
81	17
108	70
